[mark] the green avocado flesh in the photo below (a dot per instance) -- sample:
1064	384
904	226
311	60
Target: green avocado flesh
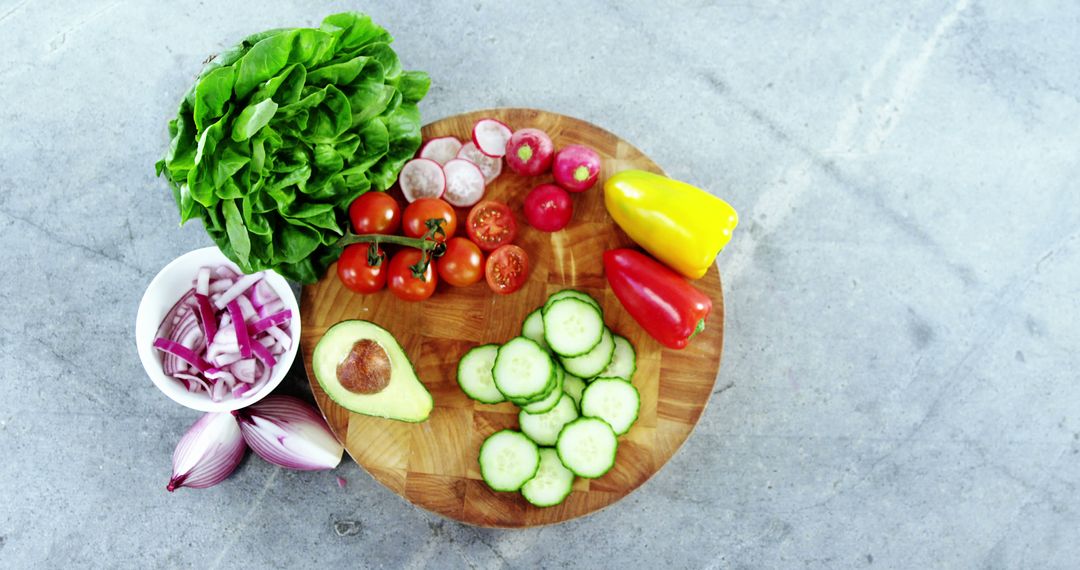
404	398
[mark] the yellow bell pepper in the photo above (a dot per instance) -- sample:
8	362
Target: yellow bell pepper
683	226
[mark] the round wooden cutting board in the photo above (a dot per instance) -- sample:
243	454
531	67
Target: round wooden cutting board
433	464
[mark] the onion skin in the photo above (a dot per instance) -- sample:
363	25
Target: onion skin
288	432
208	453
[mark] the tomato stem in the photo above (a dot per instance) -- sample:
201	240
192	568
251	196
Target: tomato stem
431	249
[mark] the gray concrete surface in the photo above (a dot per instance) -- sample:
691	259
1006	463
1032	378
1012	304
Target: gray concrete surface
899	387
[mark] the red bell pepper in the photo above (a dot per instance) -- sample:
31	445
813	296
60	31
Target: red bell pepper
669	308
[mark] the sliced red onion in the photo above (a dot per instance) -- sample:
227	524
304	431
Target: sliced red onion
202	282
208	453
286	431
224	334
226	358
263	354
245	370
181	351
271	308
218	374
275	319
220	286
281	337
263	294
225	272
238	289
206	317
240	328
246	309
194	382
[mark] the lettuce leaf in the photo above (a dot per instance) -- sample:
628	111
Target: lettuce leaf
282	132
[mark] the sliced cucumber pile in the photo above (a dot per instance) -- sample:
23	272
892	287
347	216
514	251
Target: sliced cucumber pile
544	405
552	483
544	428
570	375
613	400
474	374
533	328
623	361
573	327
508	460
574	387
592	363
522	370
587	447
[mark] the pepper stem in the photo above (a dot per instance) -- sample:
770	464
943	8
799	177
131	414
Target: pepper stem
700	327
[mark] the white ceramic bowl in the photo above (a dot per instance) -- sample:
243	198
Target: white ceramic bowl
166	288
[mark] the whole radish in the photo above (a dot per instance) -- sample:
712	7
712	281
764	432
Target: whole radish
576	167
548	208
529	152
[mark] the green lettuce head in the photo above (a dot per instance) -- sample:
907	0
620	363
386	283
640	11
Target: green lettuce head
282	132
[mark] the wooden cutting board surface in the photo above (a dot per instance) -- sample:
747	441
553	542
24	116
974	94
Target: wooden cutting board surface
433	464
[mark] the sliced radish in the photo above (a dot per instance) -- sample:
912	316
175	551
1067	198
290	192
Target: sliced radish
441	150
491	136
491	167
464	183
422	178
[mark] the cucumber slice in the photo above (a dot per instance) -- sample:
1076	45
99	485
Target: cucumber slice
613	400
570	293
533	328
544	428
553	398
547	389
474	374
573	387
587	447
623	361
552	483
573	327
522	369
593	362
508	459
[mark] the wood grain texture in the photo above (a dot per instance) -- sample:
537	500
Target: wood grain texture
433	464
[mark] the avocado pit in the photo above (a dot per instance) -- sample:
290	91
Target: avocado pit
366	369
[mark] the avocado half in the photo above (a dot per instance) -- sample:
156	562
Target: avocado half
403	398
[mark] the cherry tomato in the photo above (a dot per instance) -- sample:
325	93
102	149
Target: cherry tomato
491	224
401	281
462	264
507	269
375	213
419	212
548	208
356	274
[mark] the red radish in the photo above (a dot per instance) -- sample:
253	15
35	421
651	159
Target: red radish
490	137
576	167
491	167
422	178
529	152
441	149
464	183
548	208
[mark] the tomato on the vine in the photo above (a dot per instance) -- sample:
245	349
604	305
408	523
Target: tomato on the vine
375	213
419	212
507	269
401	281
357	274
462	264
491	224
